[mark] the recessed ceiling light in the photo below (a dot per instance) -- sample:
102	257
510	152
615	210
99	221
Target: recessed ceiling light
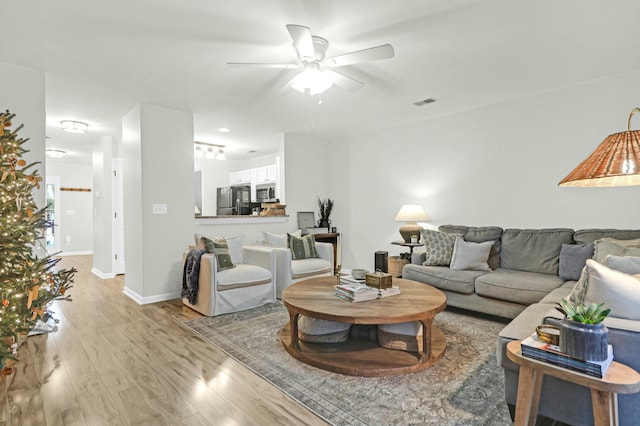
223	130
74	126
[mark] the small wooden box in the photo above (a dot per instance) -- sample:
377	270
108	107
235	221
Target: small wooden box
378	280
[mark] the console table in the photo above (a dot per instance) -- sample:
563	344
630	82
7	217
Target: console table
335	239
604	392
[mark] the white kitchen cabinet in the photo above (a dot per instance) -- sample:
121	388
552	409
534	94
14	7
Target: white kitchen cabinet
267	174
241	177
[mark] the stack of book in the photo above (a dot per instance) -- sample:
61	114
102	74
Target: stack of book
355	292
385	292
532	347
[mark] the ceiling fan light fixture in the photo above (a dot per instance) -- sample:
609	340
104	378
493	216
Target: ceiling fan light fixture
55	153
312	80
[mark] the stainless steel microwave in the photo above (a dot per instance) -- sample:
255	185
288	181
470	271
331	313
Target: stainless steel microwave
265	192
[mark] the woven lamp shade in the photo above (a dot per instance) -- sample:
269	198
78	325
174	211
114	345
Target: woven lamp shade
615	162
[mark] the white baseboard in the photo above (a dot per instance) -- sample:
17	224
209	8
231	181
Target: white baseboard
103	275
74	253
150	299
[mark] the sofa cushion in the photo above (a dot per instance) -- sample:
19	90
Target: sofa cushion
533	250
559	293
573	257
242	276
306	267
627	264
303	247
516	286
438	246
604	247
479	234
585	236
443	277
472	256
617	290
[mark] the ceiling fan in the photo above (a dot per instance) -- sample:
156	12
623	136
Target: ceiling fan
319	71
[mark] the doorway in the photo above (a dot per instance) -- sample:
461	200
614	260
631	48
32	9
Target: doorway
53	209
117	203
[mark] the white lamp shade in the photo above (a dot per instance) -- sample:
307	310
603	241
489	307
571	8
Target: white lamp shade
412	213
312	81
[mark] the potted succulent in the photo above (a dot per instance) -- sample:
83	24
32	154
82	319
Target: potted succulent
325	207
582	333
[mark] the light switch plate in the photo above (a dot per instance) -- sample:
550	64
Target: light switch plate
159	209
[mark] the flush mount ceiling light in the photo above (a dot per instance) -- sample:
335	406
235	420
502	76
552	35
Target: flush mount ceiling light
55	153
74	126
210	154
615	162
223	130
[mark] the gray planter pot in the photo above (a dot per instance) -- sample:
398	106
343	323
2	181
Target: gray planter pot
584	341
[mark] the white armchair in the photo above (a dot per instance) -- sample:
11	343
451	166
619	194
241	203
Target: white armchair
250	284
290	271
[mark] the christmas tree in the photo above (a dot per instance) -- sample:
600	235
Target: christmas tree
28	283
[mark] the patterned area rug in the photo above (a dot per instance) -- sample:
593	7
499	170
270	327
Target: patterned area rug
464	388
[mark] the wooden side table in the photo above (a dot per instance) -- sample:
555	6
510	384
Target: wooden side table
410	245
604	392
335	239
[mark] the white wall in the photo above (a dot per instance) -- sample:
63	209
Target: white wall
158	169
496	165
22	93
75	208
102	213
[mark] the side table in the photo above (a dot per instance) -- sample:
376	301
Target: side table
410	245
604	392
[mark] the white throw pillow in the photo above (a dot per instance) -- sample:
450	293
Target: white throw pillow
617	290
235	248
473	256
279	240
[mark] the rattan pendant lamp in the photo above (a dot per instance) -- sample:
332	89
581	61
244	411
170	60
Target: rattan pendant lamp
615	162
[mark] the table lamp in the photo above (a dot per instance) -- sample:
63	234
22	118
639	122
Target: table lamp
411	213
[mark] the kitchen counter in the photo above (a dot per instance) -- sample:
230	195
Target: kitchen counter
239	219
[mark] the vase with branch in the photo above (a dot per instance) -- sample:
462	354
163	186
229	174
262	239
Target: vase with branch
325	206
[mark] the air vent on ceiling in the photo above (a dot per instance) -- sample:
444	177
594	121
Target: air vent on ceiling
424	102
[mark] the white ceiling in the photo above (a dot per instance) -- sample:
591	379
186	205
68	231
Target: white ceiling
103	58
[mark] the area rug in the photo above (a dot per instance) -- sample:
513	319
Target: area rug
464	388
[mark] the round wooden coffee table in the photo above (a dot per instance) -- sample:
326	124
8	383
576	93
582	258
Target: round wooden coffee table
363	357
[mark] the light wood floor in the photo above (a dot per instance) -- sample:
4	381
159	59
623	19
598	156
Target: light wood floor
113	361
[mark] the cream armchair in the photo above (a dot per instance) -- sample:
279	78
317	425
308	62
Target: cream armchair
250	284
290	271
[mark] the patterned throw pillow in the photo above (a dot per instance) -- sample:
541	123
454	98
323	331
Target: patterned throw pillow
220	249
302	248
439	246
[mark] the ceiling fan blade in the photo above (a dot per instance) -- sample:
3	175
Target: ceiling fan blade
302	41
384	51
344	81
261	65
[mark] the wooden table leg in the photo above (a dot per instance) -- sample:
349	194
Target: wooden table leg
293	327
605	408
529	384
426	338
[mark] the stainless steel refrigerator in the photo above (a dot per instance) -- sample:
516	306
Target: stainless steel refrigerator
233	200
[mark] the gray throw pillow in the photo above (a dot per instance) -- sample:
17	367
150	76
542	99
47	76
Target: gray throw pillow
220	250
439	247
573	257
627	264
471	256
302	248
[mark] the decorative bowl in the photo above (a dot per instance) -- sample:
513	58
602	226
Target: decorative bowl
358	274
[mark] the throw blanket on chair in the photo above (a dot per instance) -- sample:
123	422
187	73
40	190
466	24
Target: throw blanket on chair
190	275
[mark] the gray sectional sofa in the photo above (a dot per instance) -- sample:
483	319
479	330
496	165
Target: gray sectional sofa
524	284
